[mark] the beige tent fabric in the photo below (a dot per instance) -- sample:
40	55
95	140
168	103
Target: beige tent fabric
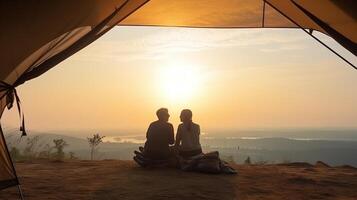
336	18
7	174
205	13
40	34
32	27
339	14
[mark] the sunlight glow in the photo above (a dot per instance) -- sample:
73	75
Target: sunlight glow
179	82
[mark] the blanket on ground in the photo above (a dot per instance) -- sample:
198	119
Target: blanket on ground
204	163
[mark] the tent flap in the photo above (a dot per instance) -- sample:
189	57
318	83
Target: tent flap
36	36
8	176
36	32
8	183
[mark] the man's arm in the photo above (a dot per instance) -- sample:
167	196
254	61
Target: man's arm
148	132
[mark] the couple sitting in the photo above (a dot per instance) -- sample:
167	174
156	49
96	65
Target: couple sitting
185	154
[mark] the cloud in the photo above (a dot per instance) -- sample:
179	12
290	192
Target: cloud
156	44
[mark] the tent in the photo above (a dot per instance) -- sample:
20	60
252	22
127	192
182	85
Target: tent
37	35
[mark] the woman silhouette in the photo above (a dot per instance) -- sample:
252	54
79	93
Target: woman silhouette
190	151
188	136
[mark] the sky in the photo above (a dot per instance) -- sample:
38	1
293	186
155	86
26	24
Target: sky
229	78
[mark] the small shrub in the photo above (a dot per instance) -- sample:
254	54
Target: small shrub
15	154
30	151
247	161
46	152
59	146
93	143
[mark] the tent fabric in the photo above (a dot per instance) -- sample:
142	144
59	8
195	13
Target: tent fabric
8	183
207	13
344	41
7	173
340	15
37	35
41	30
40	34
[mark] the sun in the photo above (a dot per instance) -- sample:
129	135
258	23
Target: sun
179	83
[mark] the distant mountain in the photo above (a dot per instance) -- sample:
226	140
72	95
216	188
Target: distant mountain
298	133
269	150
280	143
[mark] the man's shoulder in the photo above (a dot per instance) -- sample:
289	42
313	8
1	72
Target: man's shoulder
153	123
169	124
159	123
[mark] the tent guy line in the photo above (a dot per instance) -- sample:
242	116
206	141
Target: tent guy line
310	32
326	27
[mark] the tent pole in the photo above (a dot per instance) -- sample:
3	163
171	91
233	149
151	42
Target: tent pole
20	192
263	20
12	163
317	39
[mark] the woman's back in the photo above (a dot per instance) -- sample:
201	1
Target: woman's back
189	137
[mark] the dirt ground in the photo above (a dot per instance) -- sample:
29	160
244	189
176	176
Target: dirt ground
116	179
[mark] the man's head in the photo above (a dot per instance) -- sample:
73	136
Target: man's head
163	114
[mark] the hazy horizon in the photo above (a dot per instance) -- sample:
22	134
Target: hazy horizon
232	79
333	134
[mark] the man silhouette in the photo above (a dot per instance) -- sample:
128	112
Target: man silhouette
159	137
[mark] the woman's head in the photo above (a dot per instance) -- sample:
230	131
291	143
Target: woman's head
186	115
